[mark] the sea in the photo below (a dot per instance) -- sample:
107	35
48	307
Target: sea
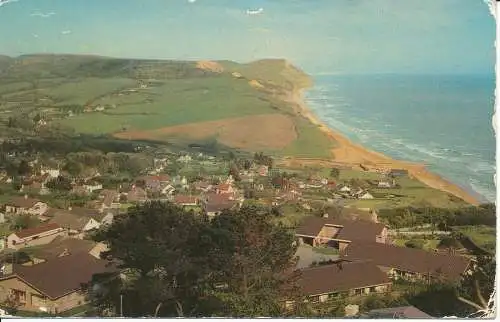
443	121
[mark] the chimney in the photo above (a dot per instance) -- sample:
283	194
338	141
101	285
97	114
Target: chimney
325	215
25	196
70	208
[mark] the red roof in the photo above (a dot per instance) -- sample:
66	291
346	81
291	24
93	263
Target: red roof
37	230
183	199
223	186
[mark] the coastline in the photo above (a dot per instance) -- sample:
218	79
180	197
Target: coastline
352	154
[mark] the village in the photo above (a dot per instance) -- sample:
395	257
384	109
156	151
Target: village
49	213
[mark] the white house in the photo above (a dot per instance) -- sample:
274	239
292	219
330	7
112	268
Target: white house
167	190
91	187
345	189
40	235
75	224
53	173
366	195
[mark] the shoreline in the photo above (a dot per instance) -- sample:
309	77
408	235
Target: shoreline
353	154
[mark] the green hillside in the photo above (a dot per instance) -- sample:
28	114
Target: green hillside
102	95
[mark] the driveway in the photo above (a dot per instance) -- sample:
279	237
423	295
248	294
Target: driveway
307	256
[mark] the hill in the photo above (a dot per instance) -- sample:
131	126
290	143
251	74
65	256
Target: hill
164	100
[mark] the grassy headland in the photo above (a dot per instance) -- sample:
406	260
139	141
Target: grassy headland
251	107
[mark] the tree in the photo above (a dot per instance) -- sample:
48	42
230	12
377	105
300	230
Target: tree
158	245
235	172
255	259
60	183
73	168
23	222
334	173
24	168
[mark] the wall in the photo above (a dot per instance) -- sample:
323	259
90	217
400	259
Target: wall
35	300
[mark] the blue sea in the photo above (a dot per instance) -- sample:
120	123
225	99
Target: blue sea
443	121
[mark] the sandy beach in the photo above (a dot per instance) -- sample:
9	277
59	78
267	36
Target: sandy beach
352	154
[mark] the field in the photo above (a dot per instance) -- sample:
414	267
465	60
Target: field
276	132
165	100
482	236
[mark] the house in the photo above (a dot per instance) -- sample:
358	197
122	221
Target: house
398	173
214	209
110	199
61	246
345	189
53	286
2	218
402	312
183	200
40	235
202	186
224	188
386	184
330	281
263	170
184	158
365	195
76	224
410	263
137	194
92	186
52	173
339	233
25	205
167	190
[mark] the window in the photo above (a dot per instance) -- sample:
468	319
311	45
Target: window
18	295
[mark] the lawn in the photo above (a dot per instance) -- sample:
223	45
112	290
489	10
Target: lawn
292	216
482	236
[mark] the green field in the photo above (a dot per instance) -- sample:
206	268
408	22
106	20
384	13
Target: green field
311	142
482	236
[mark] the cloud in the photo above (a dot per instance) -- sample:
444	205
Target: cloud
191	1
35	35
255	12
65	32
42	15
4	2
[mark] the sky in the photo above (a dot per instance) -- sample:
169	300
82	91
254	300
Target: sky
320	36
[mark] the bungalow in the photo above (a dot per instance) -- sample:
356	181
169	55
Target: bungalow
410	263
53	173
325	282
167	190
213	209
339	233
345	189
202	186
53	286
40	235
184	158
137	194
386	184
76	225
92	186
224	188
110	199
365	195
183	200
25	205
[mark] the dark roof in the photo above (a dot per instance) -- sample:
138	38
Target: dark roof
409	259
59	245
70	220
216	207
407	312
183	199
37	230
349	229
23	202
339	277
62	275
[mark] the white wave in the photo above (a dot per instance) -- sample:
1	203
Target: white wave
481	189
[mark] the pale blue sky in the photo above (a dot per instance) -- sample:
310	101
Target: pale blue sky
321	36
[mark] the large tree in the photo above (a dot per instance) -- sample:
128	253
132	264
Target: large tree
255	260
181	264
156	244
